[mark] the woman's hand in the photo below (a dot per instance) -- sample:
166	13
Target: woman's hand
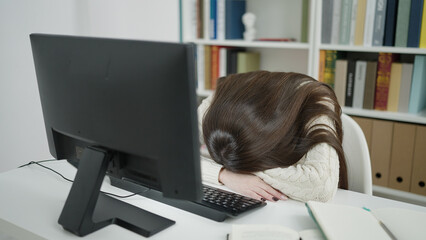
250	185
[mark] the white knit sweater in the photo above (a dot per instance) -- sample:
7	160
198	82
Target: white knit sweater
314	177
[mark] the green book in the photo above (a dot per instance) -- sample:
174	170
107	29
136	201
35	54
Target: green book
403	18
305	10
248	61
345	22
330	67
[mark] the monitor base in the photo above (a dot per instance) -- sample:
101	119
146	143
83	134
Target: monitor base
87	210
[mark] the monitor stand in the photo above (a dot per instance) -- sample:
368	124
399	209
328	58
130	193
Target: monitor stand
86	209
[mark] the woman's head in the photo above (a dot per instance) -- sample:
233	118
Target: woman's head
262	120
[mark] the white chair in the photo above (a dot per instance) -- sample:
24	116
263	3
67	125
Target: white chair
357	157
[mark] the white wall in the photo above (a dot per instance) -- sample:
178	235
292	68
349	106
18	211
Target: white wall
22	133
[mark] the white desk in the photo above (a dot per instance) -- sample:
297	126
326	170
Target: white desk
32	198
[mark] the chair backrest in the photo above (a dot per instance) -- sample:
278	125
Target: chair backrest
357	157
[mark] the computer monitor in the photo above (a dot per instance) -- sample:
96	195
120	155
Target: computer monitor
125	108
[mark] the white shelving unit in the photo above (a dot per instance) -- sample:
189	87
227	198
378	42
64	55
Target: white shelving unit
304	58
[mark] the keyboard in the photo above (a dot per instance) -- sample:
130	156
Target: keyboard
217	204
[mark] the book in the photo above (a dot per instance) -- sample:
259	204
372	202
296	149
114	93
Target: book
369	23
404	91
330	61
220	19
370	85
335	23
353	22
382	82
418	85
206	18
345	22
348	222
200	18
200	67
340	80
350	82
207	67
271	232
414	25
423	29
394	87
231	60
402	21
379	22
326	20
214	66
390	23
360	21
234	11
213	19
305	18
248	61
189	19
321	67
222	61
359	86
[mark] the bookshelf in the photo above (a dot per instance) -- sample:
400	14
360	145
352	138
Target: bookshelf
273	16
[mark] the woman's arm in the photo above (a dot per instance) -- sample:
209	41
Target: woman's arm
314	177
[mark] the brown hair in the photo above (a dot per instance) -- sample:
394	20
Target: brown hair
262	120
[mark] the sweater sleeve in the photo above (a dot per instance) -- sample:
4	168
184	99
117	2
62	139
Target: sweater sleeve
314	177
209	168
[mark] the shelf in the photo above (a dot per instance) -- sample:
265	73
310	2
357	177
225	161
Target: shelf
349	48
398	195
256	44
394	116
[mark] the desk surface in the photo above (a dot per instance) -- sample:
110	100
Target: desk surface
32	199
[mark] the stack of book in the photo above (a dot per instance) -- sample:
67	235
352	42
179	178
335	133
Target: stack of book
383	81
218	61
374	23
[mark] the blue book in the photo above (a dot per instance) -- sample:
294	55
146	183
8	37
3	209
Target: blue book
213	19
414	25
418	85
234	27
390	25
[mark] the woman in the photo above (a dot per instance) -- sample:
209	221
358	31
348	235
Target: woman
270	135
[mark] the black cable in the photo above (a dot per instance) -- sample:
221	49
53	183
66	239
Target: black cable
69	180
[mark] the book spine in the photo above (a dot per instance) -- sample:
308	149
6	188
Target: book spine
418	85
403	18
200	67
305	15
369	23
234	11
414	25
390	25
350	82
423	30
215	66
321	68
383	79
379	23
335	27
220	8
327	19
248	61
213	19
340	81
200	19
345	22
330	67
207	67
394	87
360	21
222	61
370	85
360	71
206	16
404	92
353	22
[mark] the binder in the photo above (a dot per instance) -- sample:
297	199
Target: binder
402	156
366	125
381	145
418	177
